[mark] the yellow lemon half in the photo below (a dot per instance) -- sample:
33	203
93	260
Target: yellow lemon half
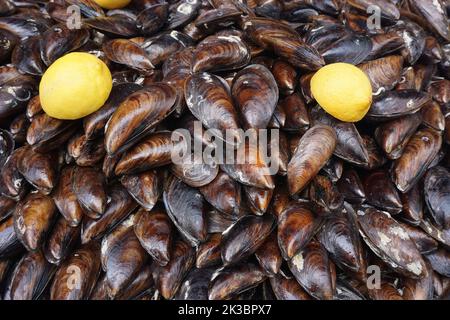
112	4
343	90
74	86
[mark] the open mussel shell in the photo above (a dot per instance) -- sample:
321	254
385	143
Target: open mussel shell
154	231
296	227
122	257
391	242
230	281
76	277
187	210
312	152
394	104
313	269
33	218
169	277
120	205
29	277
437	195
256	94
88	184
137	114
420	151
245	237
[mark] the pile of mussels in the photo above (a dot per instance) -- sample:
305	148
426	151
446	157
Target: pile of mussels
95	209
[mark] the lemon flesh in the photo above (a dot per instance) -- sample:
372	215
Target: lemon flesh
112	4
342	90
74	86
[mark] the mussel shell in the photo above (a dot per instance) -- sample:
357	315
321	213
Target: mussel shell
155	231
122	257
61	241
153	18
66	200
218	53
182	12
9	242
383	73
119	25
29	277
311	267
33	218
187	210
153	151
434	13
59	40
94	124
423	241
256	94
26	56
420	151
39	169
245	237
76	277
283	41
412	202
195	172
439	261
137	114
391	242
349	144
208	252
169	277
88	184
394	104
119	206
287	289
437	195
223	193
230	281
392	136
296	227
324	196
145	187
7	206
6	146
351	187
196	284
126	52
313	151
352	49
381	192
209	100
269	255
